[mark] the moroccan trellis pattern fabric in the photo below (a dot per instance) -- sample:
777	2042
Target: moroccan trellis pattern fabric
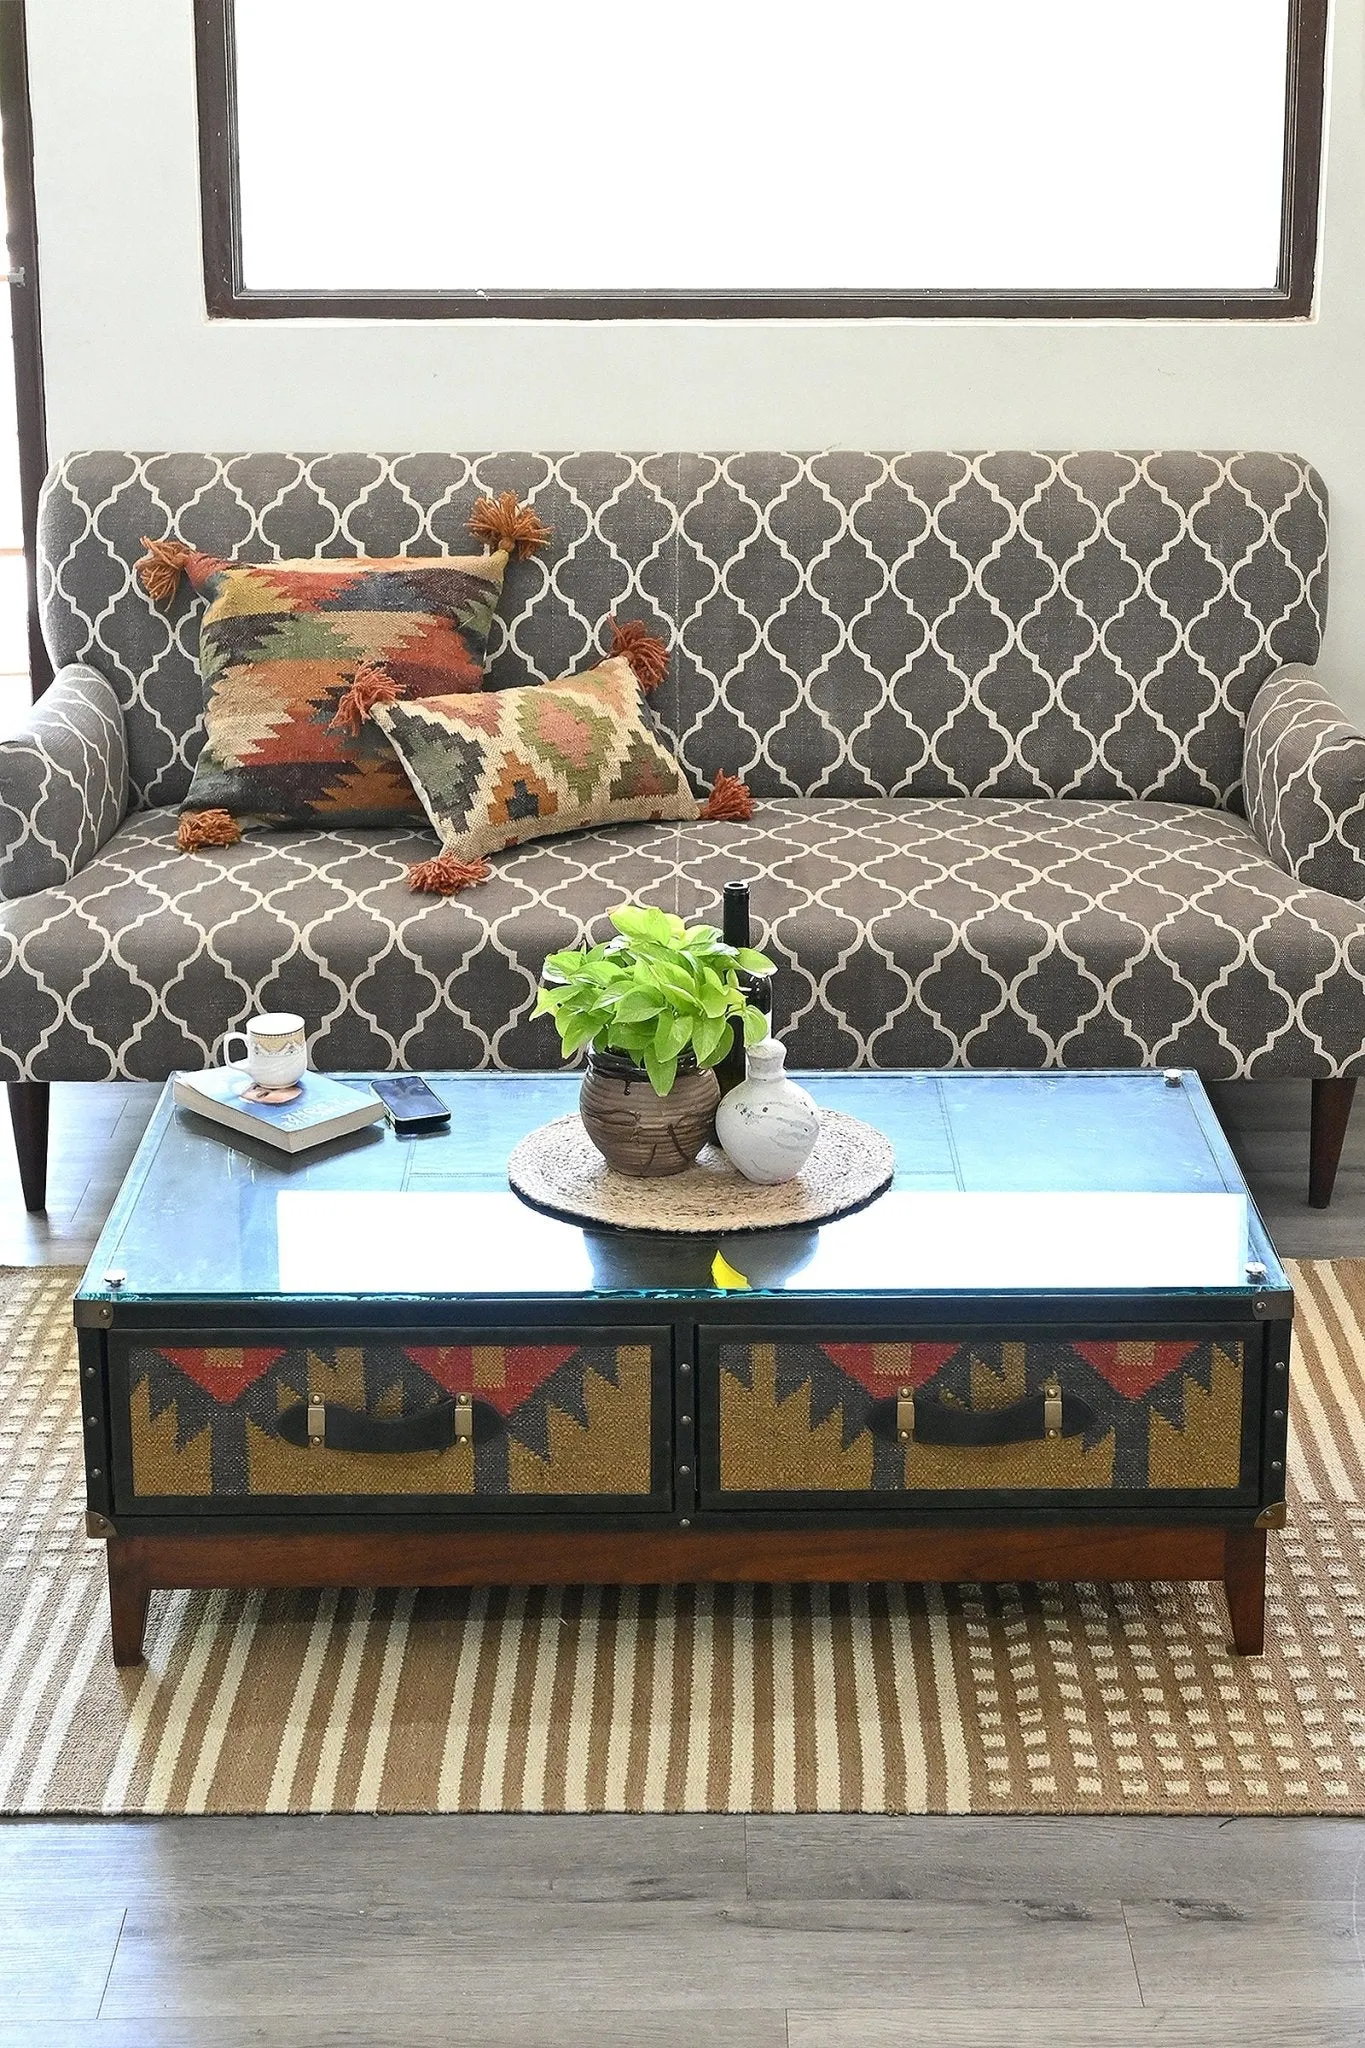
1305	784
993	709
907	934
843	624
508	766
820	1417
281	646
548	1419
63	783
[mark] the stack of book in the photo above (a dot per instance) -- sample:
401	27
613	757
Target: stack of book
311	1111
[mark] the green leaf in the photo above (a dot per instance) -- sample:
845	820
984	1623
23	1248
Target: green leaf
755	1025
678	993
637	922
723	1045
671	1034
581	1002
662	1073
636	1005
711	993
752	962
574	1036
564	965
707	1033
631	1038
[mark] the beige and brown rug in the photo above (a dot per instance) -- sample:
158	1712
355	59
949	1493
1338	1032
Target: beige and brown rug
1028	1699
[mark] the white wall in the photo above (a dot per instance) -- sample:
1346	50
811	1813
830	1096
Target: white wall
133	362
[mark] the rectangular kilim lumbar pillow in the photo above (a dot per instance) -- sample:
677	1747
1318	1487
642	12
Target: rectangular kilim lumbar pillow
293	654
506	766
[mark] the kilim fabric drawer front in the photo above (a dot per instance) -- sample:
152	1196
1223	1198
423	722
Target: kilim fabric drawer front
1094	1418
391	1420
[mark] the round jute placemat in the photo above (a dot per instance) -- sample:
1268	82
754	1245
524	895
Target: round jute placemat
558	1168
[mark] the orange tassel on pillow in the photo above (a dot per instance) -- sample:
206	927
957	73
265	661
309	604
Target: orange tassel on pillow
645	652
444	875
369	686
206	828
730	800
160	568
505	523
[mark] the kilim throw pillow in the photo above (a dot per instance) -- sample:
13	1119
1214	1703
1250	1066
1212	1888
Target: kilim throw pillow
505	766
294	653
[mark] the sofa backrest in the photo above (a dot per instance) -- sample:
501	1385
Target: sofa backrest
1012	624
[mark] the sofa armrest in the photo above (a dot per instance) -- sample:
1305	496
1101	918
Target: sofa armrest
63	782
1304	778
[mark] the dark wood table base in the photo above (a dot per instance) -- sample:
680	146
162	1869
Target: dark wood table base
138	1565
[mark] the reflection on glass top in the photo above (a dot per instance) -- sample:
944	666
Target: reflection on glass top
336	1243
1003	1181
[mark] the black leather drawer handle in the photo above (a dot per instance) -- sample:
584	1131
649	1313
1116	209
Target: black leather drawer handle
322	1425
917	1418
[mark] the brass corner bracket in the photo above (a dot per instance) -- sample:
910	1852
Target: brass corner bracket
98	1525
1273	1517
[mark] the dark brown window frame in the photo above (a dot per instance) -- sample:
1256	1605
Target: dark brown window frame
228	298
26	326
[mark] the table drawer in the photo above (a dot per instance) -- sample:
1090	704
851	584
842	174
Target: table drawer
486	1420
1099	1416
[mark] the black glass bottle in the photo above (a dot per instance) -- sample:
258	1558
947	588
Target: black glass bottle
757	987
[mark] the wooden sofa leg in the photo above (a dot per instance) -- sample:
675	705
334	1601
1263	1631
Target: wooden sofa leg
28	1107
1331	1113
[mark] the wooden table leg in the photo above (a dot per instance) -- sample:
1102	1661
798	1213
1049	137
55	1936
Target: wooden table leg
128	1595
1244	1585
1331	1112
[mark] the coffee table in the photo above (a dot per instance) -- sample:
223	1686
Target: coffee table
1056	1348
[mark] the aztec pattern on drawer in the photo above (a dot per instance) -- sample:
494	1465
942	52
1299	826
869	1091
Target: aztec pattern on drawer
549	1419
821	1417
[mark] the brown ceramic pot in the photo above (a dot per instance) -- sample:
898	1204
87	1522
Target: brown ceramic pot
637	1131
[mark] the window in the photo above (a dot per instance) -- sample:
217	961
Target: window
667	158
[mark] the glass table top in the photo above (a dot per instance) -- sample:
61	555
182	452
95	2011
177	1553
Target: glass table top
1043	1182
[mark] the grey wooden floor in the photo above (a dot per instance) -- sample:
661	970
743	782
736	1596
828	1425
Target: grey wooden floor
833	1931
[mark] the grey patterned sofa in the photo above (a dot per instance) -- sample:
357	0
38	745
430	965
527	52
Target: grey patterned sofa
1035	786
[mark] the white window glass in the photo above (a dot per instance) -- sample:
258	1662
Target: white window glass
761	145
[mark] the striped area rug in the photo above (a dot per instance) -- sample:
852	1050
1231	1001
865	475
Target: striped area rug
1016	1699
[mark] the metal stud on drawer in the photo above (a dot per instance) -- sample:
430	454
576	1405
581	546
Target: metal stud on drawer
905	1416
1052	1409
317	1422
462	1425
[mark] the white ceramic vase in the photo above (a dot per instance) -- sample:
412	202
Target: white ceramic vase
767	1126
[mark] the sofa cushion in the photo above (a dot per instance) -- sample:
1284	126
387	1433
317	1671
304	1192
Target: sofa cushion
509	766
284	649
917	933
1009	623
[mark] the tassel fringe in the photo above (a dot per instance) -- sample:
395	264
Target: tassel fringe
645	652
206	828
369	686
730	800
505	523
160	569
444	875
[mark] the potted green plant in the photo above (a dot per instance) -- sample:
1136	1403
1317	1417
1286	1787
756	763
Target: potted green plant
657	1007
